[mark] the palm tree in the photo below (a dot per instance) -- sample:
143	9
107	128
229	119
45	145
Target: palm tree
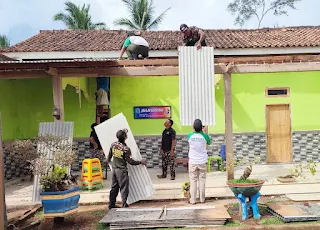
77	17
141	15
4	42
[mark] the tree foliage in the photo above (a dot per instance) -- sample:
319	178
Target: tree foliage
4	42
141	15
246	9
76	17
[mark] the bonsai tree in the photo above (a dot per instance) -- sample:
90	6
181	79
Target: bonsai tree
22	151
49	157
249	163
298	171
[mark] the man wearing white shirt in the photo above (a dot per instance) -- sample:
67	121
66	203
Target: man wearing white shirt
198	158
135	45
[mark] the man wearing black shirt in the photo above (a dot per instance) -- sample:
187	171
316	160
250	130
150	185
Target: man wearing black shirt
96	149
167	150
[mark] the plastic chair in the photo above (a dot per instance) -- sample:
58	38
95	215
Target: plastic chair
218	160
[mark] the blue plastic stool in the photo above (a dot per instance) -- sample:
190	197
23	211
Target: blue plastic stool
252	203
223	152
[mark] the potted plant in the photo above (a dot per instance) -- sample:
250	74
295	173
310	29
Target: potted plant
244	188
186	189
243	185
298	171
60	192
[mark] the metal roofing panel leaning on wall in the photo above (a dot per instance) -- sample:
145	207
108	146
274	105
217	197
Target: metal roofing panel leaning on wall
196	85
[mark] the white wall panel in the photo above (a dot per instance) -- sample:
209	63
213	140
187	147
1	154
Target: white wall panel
196	84
140	186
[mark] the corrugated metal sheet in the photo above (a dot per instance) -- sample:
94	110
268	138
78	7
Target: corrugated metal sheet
58	61
60	129
196	82
140	186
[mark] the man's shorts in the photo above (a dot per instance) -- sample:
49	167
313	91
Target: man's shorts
102	97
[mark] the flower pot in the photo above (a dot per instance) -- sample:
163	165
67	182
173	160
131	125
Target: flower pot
186	194
286	179
60	204
248	190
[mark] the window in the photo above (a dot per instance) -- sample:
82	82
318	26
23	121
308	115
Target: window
277	92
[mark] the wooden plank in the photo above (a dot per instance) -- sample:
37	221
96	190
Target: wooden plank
58	96
52	71
3	214
24	74
268	59
228	125
275	68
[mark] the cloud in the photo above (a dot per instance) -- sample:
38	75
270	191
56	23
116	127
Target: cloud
21	19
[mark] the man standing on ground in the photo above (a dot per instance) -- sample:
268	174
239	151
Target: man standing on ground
167	150
193	36
198	158
121	155
134	46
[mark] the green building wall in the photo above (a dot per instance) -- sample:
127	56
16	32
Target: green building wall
25	103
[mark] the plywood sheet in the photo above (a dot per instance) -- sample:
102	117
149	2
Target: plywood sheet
174	217
296	212
140	186
196	85
304	197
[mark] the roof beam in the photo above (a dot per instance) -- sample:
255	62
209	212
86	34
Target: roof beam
52	71
275	68
24	74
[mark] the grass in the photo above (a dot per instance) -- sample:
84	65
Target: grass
271	221
39	214
98	213
244	181
232	223
100	226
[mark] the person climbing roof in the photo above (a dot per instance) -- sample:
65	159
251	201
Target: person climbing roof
193	36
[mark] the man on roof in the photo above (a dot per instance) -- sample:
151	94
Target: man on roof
193	36
135	46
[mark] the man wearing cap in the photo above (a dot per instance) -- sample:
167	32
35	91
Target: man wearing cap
121	155
135	46
198	157
193	36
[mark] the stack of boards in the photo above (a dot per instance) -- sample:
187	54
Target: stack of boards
133	218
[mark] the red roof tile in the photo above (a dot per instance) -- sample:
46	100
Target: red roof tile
110	40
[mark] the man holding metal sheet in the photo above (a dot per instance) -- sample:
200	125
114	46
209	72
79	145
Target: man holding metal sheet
121	155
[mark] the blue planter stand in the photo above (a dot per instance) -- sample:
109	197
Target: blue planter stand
60	204
252	204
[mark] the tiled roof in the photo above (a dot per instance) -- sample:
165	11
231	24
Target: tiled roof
111	40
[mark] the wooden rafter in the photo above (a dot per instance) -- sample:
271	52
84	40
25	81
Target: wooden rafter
163	67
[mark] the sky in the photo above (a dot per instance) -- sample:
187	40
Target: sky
21	19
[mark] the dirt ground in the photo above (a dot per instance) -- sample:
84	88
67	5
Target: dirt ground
88	217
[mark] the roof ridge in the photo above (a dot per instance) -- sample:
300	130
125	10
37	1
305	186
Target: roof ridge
157	31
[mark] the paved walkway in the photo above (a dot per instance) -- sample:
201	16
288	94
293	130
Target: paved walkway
167	189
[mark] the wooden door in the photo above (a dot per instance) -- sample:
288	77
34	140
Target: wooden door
278	122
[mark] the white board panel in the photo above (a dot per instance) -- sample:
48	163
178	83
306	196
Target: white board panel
196	84
140	185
